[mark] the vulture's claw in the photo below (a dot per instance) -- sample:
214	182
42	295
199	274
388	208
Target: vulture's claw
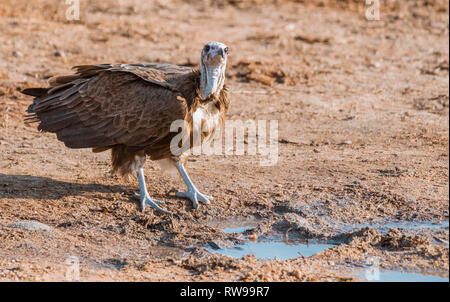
138	197
155	204
195	196
144	198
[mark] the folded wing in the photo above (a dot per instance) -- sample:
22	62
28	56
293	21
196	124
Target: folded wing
104	105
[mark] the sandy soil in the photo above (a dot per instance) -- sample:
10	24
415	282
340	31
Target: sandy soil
362	108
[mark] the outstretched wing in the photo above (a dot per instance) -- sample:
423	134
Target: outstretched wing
104	105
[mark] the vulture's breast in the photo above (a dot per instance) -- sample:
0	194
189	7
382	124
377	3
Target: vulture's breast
206	119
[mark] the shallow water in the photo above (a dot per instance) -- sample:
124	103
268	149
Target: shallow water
267	248
409	225
270	249
235	224
398	276
274	247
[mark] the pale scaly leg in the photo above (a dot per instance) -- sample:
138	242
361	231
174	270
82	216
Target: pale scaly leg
144	197
192	192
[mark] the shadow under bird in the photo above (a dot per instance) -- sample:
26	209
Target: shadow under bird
129	108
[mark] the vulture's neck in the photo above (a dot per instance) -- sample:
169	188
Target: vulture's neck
212	79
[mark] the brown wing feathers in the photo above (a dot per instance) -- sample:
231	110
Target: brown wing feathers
104	105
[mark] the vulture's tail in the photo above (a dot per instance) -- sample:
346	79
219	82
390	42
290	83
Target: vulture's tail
37	92
51	109
62	82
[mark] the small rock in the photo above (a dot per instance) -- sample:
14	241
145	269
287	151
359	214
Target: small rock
348	118
346	142
59	53
297	274
17	54
30	225
253	237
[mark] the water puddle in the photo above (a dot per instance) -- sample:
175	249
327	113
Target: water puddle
409	225
271	249
398	276
282	248
234	225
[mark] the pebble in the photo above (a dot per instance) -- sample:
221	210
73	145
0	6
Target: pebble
30	225
253	237
17	54
59	53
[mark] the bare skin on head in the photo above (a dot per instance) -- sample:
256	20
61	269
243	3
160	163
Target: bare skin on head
134	123
213	62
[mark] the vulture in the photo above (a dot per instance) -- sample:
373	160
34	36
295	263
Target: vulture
129	109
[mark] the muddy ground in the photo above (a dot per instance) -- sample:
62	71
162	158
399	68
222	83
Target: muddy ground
362	109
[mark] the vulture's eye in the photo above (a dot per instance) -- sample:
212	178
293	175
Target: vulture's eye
206	48
226	50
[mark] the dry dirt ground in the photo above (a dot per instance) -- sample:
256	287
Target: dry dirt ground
362	109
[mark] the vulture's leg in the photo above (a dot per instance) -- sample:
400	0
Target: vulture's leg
144	197
192	192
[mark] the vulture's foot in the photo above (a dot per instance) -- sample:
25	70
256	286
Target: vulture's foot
192	192
144	198
195	196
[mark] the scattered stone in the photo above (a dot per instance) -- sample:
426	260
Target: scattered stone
17	54
396	172
293	141
253	237
30	225
59	53
311	39
346	142
348	118
408	114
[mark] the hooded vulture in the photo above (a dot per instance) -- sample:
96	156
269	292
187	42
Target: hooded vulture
129	109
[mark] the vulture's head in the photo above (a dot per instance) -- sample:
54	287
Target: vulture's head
212	66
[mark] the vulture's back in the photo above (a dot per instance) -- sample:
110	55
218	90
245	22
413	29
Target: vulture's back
103	105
